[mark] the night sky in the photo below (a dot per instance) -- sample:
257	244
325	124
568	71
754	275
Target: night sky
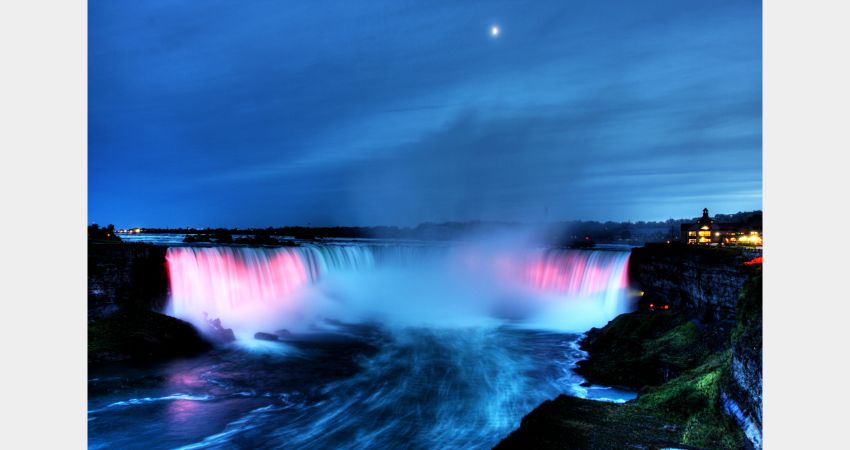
261	113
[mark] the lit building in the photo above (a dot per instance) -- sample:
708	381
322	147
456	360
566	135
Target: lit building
706	231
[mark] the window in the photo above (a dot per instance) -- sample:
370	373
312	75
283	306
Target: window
692	233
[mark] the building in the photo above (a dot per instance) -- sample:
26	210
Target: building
706	231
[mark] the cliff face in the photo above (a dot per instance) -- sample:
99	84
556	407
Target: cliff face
126	275
688	278
742	398
697	365
128	286
714	283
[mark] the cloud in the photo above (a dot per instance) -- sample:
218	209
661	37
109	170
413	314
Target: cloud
396	113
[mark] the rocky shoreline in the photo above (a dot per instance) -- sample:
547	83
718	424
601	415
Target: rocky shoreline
696	364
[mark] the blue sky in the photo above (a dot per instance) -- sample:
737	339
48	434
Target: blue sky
227	113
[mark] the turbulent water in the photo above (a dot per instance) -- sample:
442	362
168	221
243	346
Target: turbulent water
386	346
257	289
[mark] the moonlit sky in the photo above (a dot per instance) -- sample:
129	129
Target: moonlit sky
261	113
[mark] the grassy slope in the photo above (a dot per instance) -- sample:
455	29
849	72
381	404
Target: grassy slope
679	366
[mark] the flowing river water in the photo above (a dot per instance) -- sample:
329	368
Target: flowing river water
383	346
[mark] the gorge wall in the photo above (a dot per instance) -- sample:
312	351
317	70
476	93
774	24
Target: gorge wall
713	284
706	281
127	287
743	396
126	275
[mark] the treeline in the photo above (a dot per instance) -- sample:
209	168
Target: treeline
557	233
749	219
435	231
97	233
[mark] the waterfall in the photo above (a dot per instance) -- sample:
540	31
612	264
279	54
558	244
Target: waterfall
253	289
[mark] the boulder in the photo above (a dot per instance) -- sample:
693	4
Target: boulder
218	333
283	333
265	336
141	335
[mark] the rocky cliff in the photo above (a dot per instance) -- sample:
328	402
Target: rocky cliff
127	290
689	278
714	283
694	357
743	394
126	275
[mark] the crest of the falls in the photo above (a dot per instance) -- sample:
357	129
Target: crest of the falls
254	289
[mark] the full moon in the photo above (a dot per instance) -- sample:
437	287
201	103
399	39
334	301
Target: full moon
494	31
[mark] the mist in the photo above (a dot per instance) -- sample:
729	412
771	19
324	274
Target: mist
482	283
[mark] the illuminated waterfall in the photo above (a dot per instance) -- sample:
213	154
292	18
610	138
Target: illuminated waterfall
255	289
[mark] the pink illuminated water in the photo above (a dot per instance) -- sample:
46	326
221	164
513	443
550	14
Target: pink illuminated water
578	273
221	281
263	289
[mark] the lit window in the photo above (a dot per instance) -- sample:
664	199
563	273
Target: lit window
692	233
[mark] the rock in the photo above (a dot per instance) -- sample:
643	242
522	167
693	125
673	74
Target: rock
283	333
141	335
745	387
691	369
645	348
126	275
220	334
688	277
265	336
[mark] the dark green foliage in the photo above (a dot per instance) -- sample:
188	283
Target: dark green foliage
693	399
748	329
648	348
680	361
96	233
616	353
639	350
574	423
